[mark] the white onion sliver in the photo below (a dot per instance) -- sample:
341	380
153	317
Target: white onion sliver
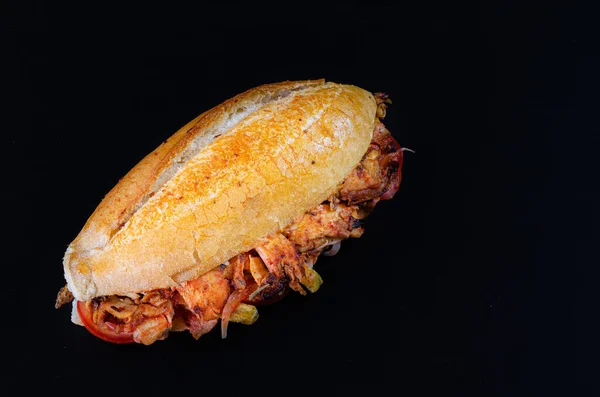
333	250
327	244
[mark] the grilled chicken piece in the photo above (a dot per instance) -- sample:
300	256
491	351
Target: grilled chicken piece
287	266
204	299
378	171
64	296
324	224
149	318
282	259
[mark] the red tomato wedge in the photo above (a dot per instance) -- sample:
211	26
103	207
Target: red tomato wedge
106	334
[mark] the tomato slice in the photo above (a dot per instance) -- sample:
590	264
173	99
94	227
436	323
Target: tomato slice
85	313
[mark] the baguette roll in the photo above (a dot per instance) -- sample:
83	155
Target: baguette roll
231	177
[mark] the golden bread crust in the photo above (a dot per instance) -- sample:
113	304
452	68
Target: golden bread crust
232	176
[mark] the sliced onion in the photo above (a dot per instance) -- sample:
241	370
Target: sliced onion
327	244
333	250
258	269
232	303
257	291
152	311
292	227
310	263
120	308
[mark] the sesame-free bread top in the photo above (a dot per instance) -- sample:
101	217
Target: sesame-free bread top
231	177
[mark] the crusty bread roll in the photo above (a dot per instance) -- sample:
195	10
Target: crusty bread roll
232	176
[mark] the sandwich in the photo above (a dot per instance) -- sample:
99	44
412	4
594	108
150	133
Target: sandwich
232	212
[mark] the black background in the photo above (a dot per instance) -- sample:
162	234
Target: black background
472	281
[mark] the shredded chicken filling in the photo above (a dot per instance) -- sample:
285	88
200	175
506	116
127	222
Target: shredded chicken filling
265	274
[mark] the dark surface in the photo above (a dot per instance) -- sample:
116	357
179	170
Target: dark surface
471	281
